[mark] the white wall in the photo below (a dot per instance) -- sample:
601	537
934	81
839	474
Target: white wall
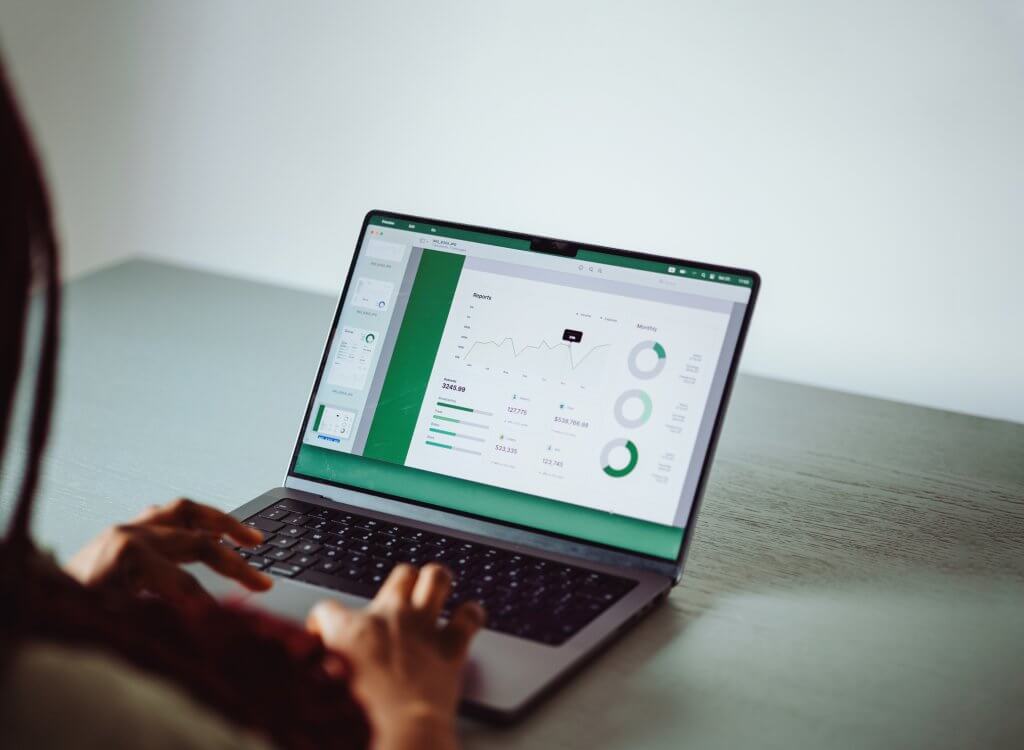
74	64
866	157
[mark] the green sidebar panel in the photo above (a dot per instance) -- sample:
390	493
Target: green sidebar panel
418	339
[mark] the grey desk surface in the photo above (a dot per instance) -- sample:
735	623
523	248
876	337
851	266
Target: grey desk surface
856	578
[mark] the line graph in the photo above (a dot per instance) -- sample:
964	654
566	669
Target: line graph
529	332
542	346
533	358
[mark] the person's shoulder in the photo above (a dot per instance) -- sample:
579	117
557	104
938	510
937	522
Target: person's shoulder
57	696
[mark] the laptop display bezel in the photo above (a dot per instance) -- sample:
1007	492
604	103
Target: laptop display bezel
557	247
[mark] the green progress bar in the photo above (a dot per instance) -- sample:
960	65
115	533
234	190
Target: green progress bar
441	432
446	419
438	445
453	406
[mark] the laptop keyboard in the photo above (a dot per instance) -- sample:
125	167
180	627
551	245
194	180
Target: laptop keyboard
529	597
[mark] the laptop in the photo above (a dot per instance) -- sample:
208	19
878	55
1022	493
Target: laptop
538	415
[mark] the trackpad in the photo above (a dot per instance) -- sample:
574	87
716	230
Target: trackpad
288	599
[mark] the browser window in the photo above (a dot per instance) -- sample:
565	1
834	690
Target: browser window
574	395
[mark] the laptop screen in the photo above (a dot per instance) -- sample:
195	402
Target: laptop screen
570	391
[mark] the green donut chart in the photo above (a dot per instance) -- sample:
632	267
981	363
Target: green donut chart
634	360
634	395
634	456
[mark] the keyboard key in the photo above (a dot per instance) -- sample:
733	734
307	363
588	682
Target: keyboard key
355	561
285	569
304	561
274	514
293	531
287	503
308	548
259	549
259	562
264	524
284	541
280	554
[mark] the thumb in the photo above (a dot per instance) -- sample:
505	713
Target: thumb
329	620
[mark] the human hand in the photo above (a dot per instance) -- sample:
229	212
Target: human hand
146	554
406	667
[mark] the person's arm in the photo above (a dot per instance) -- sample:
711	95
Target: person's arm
146	554
406	668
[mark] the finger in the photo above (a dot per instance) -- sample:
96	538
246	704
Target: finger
187	514
230	564
431	591
395	592
165	579
148	514
181	546
463	625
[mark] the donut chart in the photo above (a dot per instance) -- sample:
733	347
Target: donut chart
627	399
642	365
606	455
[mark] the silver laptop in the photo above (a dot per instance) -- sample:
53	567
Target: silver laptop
539	415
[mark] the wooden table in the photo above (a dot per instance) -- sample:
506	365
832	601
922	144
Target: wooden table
857	578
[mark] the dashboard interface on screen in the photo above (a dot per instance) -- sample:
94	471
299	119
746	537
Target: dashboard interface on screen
572	395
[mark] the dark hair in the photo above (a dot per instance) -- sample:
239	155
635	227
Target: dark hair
265	674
